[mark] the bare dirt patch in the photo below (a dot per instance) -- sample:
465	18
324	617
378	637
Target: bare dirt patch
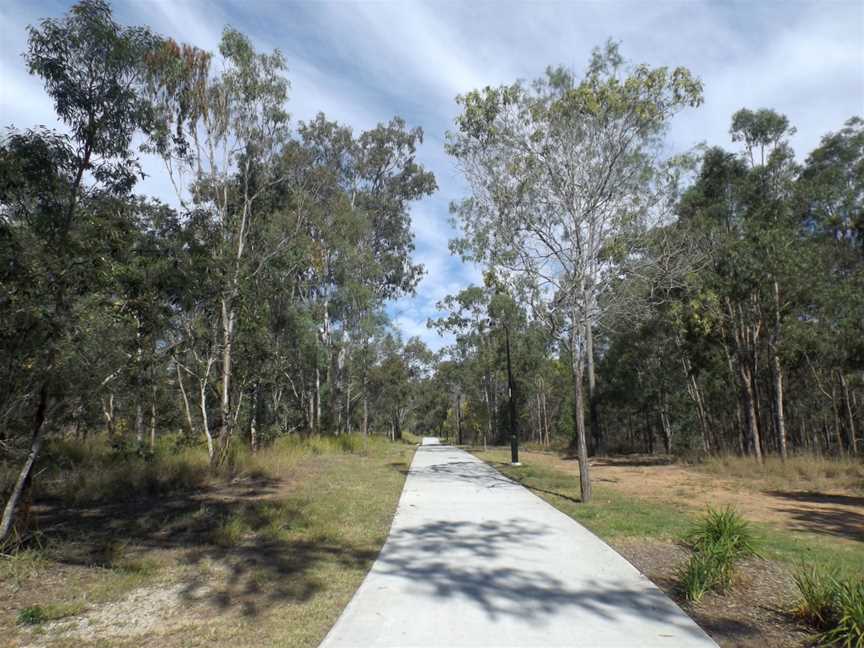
837	513
144	611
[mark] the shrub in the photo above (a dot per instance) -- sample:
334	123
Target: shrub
31	615
848	628
719	541
37	614
723	531
818	591
697	577
833	605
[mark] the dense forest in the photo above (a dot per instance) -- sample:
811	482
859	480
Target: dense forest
710	301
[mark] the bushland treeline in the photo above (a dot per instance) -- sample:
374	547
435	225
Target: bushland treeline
251	306
711	301
706	302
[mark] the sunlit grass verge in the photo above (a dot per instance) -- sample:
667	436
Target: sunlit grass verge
293	547
94	471
831	604
615	516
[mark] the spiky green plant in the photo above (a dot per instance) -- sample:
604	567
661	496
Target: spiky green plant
722	530
848	627
818	590
719	541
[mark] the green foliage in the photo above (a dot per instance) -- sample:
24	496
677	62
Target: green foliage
818	590
31	616
701	574
833	605
724	531
38	614
848	630
720	540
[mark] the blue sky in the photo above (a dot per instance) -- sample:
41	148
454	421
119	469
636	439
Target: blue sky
363	62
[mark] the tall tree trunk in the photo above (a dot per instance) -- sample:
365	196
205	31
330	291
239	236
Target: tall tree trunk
548	435
22	484
459	418
186	408
108	413
153	421
598	441
779	419
139	422
850	419
228	321
577	368
205	423
316	425
348	405
664	423
253	418
695	394
649	431
748	404
841	447
745	340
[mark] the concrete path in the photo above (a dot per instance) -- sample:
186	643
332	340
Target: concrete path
474	559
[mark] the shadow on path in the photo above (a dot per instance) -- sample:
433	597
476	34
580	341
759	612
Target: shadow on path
508	567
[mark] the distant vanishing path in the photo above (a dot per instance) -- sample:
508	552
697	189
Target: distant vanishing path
474	559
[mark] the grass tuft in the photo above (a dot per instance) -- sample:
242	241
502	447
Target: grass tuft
818	590
848	629
833	605
33	615
719	541
722	531
38	614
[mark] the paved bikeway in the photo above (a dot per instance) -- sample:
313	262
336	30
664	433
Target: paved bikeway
474	559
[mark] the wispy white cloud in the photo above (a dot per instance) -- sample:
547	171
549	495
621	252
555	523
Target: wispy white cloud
361	63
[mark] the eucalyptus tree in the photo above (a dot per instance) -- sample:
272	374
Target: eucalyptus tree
60	195
358	237
224	133
830	197
468	318
558	171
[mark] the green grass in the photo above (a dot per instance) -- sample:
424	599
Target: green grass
614	516
610	515
818	590
39	614
848	627
725	530
700	574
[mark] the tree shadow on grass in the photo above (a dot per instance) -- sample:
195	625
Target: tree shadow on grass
819	498
237	541
827	520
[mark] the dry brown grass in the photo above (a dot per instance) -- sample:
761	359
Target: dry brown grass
267	553
799	472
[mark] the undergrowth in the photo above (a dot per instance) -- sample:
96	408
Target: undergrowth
719	542
94	471
832	605
804	471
